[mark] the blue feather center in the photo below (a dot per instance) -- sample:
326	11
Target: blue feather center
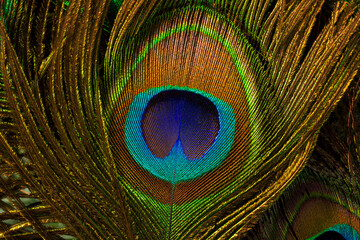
178	133
180	116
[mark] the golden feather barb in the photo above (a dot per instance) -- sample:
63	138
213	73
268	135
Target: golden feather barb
323	202
87	89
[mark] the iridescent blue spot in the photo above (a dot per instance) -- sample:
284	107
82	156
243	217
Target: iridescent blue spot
178	133
182	116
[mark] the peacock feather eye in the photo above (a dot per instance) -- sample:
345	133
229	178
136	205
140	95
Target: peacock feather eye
337	232
314	207
179	129
162	119
181	112
197	116
323	201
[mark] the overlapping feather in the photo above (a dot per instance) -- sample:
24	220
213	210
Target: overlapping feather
325	196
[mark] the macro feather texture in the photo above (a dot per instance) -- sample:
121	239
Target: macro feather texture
167	119
325	196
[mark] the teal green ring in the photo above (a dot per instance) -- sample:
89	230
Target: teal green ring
345	230
176	167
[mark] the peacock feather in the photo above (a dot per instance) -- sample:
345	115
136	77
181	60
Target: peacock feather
168	119
323	201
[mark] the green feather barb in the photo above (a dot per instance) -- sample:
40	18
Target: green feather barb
163	119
